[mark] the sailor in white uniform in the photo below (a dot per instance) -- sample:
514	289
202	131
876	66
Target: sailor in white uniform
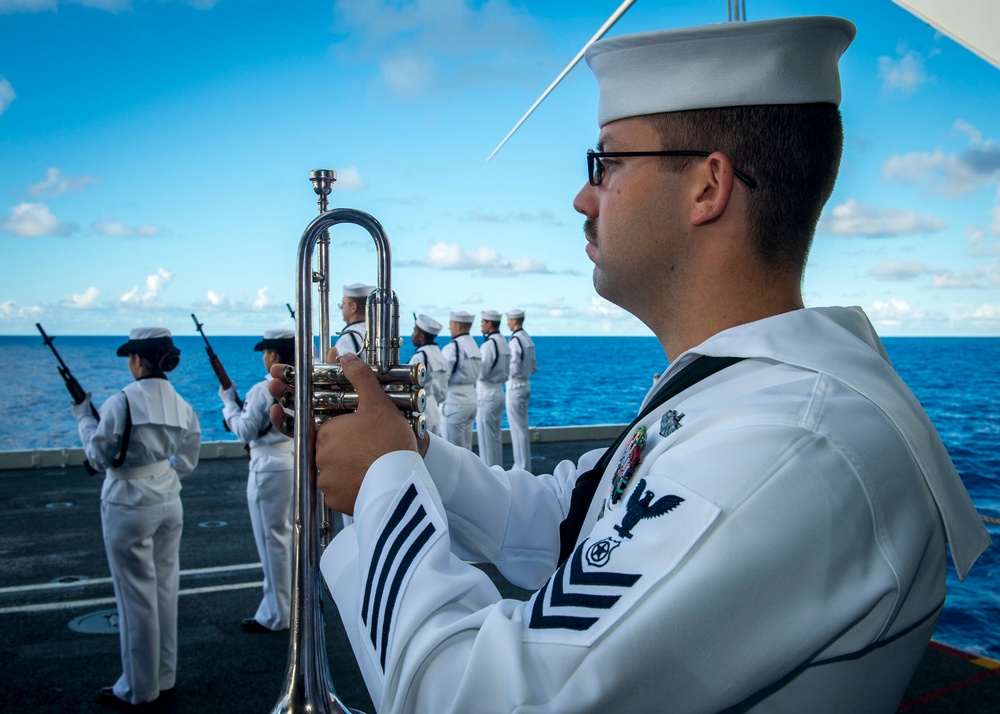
523	364
429	354
146	440
352	308
270	485
462	357
493	373
769	535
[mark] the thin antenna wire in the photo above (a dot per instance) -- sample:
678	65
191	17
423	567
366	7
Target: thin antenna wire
600	33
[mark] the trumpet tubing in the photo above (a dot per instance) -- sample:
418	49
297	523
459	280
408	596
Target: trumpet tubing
320	392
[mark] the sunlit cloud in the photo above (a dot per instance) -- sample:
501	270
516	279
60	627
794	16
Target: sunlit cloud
898	270
114	6
82	301
938	278
350	179
904	73
216	299
544	217
484	260
858	219
56	184
951	174
10	310
154	284
264	299
116	229
7	94
32	220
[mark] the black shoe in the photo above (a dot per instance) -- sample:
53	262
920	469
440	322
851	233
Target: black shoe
251	625
107	697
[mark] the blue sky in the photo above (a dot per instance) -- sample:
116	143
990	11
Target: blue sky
154	161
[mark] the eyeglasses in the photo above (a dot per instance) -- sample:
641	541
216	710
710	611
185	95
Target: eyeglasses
595	167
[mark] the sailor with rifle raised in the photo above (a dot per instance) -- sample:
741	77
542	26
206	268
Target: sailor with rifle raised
146	438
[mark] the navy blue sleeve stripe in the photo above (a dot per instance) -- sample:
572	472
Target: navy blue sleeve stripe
387	566
397	516
397	582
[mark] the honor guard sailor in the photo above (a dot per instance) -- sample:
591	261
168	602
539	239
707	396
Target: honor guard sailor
270	485
493	373
146	440
352	308
425	332
522	365
781	547
462	357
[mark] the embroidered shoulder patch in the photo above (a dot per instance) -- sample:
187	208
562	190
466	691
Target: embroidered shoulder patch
411	526
626	554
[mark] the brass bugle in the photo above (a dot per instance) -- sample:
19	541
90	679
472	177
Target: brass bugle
333	375
330	402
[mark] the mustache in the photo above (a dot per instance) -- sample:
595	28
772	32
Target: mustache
590	230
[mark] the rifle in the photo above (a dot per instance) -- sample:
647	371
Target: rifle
290	310
213	359
72	386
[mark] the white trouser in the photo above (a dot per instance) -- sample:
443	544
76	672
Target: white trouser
142	543
457	415
432	412
270	496
518	394
489	412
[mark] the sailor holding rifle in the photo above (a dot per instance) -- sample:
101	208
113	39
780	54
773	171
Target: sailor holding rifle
352	308
425	332
270	485
463	360
493	373
147	439
770	534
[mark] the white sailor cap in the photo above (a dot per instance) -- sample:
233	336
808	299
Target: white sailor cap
786	61
491	315
461	316
148	339
276	340
428	324
358	290
516	313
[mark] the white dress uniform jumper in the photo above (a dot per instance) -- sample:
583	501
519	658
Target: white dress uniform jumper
459	409
142	519
522	365
436	386
489	397
270	496
774	541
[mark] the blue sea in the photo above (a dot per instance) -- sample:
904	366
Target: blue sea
581	380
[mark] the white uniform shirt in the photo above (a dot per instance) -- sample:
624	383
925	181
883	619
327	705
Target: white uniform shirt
782	545
522	356
463	360
351	340
495	354
248	424
165	430
437	371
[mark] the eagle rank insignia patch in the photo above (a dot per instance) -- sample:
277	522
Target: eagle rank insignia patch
607	577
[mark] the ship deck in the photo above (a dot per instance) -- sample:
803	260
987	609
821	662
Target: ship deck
60	643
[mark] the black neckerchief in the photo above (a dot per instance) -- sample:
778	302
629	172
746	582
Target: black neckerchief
587	482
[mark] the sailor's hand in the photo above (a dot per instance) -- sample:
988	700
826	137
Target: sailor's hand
347	445
83	408
228	394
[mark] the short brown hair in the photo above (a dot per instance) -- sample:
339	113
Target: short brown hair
793	153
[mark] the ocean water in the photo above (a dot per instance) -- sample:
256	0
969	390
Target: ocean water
581	380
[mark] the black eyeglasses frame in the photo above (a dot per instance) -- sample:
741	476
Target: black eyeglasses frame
595	169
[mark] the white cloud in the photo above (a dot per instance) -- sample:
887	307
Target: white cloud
56	184
155	283
350	179
484	260
31	220
905	73
216	299
7	93
264	298
10	310
543	217
12	6
950	174
115	228
415	43
898	270
858	219
84	300
602	309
